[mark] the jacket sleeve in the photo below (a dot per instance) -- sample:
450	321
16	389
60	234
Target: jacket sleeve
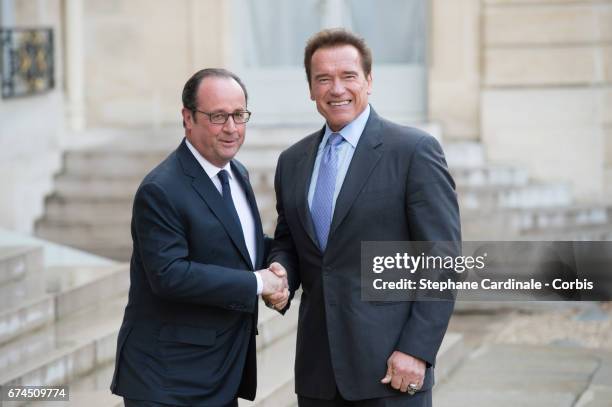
283	248
163	247
433	215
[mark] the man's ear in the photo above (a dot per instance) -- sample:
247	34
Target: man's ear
187	118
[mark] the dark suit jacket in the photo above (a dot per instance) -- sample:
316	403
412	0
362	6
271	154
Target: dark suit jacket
188	333
397	188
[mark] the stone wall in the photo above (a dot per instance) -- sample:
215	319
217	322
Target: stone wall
531	80
546	75
31	128
139	53
454	75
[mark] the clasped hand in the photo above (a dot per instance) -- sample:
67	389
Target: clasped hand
275	286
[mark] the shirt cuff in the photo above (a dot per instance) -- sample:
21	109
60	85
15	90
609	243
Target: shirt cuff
259	282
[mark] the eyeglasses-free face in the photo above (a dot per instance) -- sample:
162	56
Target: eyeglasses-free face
339	86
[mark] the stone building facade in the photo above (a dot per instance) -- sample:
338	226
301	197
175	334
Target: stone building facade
529	79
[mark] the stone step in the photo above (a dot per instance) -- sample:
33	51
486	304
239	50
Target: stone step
534	219
135	155
79	342
272	325
507	223
70	347
564	219
98	187
464	154
275	376
107	194
16	262
581	233
133	164
26	313
276	333
84	210
75	288
527	196
481	180
109	239
489	176
109	251
74	233
14	293
259	160
92	390
275	137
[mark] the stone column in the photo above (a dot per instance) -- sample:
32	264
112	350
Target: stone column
454	73
75	60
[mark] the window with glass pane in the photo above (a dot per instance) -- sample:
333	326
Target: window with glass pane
275	31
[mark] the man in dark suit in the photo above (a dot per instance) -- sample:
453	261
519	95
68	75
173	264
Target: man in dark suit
188	333
360	178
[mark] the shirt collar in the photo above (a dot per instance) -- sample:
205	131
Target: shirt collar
352	131
210	169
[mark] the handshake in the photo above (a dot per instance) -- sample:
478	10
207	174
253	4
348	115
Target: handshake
275	286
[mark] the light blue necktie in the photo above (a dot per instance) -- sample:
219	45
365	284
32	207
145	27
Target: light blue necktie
322	201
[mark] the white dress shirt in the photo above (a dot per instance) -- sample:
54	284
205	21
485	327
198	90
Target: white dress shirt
240	202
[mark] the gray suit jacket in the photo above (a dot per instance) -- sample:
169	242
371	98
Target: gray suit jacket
397	188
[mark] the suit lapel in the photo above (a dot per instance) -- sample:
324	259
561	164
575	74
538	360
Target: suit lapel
246	186
304	169
367	154
205	188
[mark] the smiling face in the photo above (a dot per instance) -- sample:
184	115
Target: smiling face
218	143
338	84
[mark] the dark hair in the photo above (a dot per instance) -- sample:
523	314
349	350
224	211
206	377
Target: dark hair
335	37
190	89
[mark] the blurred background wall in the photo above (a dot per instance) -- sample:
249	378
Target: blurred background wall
527	79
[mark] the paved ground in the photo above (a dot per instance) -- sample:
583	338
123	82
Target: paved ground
553	358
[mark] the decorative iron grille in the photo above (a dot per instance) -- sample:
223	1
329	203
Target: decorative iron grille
26	60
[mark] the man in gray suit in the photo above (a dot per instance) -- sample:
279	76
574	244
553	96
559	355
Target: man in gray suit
359	178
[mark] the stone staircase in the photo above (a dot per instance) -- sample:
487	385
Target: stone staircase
59	326
58	323
91	206
504	203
